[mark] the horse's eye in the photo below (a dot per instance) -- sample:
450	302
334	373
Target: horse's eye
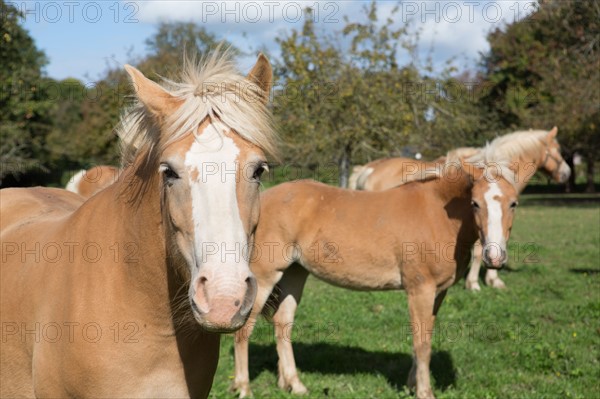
168	172
259	171
513	204
474	204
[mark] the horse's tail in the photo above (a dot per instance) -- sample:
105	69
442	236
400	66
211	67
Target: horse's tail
363	176
356	172
359	176
73	184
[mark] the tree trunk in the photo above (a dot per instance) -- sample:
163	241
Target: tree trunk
570	185
344	166
590	187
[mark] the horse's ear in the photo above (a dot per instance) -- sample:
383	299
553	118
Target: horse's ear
552	134
262	75
152	95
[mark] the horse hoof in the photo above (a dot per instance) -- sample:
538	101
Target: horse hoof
299	389
428	394
245	393
472	286
496	283
242	389
295	387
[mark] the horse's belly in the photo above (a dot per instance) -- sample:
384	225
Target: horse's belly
356	273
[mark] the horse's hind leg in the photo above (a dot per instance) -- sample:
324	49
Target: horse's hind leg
291	285
423	305
472	282
241	382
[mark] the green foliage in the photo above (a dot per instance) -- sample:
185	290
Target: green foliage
24	109
341	98
171	42
544	70
339	105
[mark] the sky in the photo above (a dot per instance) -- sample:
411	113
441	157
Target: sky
83	38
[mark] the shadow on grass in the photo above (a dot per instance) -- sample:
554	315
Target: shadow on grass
585	271
575	200
329	358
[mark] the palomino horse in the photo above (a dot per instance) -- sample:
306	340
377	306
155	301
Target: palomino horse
88	182
124	295
385	173
373	241
527	151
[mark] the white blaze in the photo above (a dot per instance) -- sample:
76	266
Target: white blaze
495	237
219	232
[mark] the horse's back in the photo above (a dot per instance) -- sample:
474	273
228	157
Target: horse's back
393	172
23	206
346	237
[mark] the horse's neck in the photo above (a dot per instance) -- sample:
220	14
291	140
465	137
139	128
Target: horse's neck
456	198
455	195
526	166
453	187
131	231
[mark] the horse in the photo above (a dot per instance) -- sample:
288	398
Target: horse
385	173
88	182
527	151
126	294
374	241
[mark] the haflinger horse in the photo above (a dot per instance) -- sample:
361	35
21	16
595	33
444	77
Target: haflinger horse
374	241
528	151
385	173
93	180
125	294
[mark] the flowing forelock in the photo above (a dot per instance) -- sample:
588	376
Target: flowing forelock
212	88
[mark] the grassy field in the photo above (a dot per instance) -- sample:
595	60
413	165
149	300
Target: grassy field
540	338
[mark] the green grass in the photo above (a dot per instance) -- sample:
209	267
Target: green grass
540	338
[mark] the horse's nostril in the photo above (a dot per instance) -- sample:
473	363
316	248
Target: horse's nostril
237	302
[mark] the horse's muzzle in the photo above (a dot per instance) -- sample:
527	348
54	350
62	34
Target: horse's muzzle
223	312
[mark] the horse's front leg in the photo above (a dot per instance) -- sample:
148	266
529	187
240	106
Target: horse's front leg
492	279
241	382
472	280
423	305
291	285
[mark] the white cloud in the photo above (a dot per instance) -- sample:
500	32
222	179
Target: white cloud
455	28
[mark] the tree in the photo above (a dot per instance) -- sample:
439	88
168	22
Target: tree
338	105
545	70
85	117
24	108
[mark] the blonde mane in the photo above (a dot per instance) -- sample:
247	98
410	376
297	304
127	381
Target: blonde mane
521	144
212	88
486	158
